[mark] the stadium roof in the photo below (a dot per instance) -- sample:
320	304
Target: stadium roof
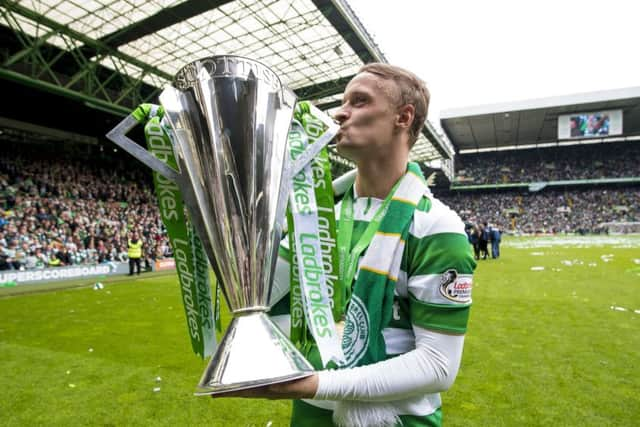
524	124
114	54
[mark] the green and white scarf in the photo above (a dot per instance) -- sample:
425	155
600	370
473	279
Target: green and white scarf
371	296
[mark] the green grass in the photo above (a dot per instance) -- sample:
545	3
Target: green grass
543	348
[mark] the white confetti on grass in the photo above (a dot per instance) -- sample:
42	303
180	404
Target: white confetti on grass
156	389
616	308
90	350
72	386
636	311
636	260
537	268
606	257
566	262
158	379
571	262
593	264
570	241
537	253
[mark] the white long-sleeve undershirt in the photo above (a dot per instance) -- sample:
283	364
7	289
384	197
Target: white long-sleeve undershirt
430	368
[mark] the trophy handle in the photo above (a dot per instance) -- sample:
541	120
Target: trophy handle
119	136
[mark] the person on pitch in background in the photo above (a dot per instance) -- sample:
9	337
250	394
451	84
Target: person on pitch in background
413	285
495	236
134	251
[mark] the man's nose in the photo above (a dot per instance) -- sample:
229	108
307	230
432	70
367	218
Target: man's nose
341	115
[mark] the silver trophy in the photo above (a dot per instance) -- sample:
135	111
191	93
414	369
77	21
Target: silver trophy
230	118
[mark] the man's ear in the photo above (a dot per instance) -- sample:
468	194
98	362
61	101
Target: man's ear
405	116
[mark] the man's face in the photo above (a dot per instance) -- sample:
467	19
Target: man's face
367	116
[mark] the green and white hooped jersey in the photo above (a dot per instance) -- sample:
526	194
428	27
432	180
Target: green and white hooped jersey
433	288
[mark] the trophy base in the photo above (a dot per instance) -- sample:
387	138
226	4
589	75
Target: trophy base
254	352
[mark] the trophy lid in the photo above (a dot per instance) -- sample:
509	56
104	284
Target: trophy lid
225	66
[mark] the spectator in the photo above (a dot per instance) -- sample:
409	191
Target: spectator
495	237
134	251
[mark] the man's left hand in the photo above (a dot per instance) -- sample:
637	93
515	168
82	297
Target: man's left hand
304	388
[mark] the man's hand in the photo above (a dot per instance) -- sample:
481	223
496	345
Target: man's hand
304	388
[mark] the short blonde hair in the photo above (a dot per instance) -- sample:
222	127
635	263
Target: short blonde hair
412	91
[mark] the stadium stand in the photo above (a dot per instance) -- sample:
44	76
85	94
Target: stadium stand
593	161
79	68
73	209
77	208
520	167
570	210
86	201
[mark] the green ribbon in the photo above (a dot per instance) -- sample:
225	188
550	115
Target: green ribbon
191	262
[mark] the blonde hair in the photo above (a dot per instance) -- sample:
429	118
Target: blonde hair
412	91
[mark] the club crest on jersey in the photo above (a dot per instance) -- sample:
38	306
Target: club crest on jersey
456	287
356	332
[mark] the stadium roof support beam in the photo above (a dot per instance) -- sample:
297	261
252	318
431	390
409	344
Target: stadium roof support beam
34	65
163	19
51	133
344	20
66	31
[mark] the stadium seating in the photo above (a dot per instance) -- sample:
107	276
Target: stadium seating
74	209
591	161
549	211
79	207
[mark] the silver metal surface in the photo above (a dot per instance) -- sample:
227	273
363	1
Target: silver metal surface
230	118
254	352
119	135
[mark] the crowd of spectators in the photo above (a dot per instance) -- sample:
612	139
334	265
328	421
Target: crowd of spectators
548	211
68	210
576	162
74	211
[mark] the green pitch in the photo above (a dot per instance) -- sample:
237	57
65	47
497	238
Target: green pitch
552	346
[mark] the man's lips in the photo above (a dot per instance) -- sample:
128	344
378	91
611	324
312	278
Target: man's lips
340	135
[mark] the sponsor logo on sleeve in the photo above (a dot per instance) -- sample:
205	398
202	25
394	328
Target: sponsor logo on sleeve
456	287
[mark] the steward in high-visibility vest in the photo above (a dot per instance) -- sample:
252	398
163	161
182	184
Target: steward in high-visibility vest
134	250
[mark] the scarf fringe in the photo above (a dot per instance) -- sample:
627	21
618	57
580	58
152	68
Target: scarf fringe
365	414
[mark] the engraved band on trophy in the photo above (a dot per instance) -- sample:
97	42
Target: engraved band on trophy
230	117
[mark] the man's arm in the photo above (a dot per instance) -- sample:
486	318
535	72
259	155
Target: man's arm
430	368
